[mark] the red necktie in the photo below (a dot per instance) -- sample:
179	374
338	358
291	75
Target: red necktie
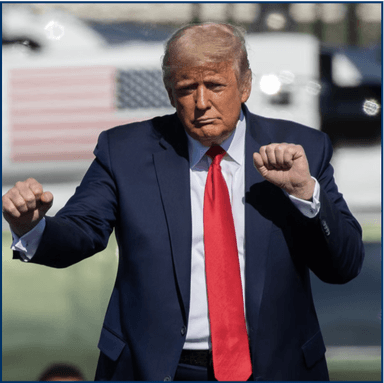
230	348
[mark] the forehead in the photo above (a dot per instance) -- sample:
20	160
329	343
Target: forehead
207	69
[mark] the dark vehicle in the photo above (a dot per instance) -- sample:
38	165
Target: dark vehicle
350	101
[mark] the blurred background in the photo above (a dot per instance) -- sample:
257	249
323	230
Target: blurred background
72	70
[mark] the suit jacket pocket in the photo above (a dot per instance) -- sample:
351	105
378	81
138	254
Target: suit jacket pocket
313	349
110	344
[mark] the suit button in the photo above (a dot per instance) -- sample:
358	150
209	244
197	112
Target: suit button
183	330
167	378
325	228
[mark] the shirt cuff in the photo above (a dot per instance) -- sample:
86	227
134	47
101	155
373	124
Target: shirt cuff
308	208
29	242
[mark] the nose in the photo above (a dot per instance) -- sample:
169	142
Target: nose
202	98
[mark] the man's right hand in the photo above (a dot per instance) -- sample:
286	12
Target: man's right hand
25	205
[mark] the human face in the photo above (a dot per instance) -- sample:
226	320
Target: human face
208	100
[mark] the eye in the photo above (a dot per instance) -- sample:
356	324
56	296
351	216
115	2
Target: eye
185	90
215	86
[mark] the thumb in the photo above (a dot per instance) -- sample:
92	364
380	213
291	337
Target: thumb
46	200
259	163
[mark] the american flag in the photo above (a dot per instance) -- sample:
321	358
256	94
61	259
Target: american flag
56	114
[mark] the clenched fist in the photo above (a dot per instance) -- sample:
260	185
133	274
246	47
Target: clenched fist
286	166
25	205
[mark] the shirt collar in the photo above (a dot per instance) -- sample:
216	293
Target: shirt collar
233	145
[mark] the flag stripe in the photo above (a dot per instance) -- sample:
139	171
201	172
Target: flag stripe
55	155
58	131
73	92
48	120
66	109
57	113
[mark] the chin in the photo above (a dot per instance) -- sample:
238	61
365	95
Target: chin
211	137
210	141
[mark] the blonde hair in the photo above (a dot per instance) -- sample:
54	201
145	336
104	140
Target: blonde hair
214	42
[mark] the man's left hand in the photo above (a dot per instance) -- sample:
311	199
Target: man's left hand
286	166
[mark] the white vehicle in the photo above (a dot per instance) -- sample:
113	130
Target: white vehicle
286	77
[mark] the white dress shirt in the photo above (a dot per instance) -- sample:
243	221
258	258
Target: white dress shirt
232	166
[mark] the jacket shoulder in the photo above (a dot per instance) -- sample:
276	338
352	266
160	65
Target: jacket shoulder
153	127
286	130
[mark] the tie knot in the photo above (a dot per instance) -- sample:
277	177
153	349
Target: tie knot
216	153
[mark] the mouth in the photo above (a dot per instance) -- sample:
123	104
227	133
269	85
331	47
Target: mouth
204	121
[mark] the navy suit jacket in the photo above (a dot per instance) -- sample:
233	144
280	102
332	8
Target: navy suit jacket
139	185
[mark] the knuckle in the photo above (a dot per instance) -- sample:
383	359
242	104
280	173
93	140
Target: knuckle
19	202
297	148
6	203
12	193
33	184
5	198
11	210
20	206
29	199
37	191
19	184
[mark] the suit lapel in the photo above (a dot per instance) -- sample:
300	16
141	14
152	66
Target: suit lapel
257	228
172	170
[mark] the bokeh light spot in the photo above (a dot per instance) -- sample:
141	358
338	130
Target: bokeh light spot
371	107
270	84
54	30
313	88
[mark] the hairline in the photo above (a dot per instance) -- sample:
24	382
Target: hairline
238	55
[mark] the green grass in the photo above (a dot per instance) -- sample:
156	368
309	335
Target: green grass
355	370
372	233
52	315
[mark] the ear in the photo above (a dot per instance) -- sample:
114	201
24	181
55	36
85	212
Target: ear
246	92
246	89
171	98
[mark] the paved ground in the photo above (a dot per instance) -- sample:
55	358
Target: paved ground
358	176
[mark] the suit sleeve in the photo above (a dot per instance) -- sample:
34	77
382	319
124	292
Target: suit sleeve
83	226
337	250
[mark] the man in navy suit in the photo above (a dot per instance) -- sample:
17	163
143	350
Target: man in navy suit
147	182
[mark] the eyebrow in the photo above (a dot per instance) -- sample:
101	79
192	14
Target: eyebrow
208	78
